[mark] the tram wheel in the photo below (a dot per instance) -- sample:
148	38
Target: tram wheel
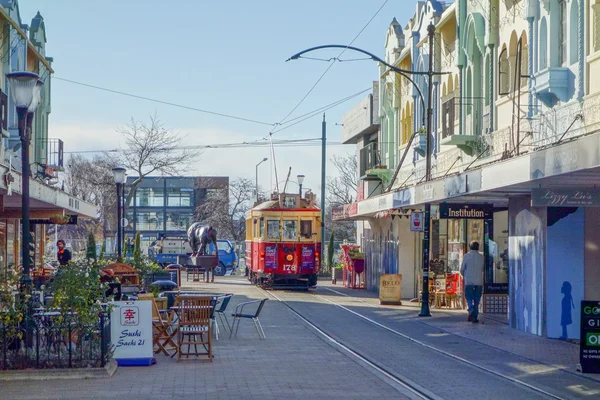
312	280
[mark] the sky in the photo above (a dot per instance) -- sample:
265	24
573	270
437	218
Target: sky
227	57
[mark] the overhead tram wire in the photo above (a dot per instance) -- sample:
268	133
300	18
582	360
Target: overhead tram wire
166	102
329	67
279	143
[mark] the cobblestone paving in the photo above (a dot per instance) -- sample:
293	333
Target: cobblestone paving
293	363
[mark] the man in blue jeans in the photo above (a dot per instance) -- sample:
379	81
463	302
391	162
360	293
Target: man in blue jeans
472	272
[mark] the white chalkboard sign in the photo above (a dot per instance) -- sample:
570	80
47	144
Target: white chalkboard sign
131	332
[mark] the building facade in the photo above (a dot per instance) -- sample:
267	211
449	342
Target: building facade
166	206
515	161
23	49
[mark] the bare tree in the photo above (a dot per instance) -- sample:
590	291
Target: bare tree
341	190
151	148
225	209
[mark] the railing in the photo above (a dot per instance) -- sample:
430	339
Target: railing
370	157
55	340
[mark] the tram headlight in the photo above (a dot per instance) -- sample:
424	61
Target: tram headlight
289	257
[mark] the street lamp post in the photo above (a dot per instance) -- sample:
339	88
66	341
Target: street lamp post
119	174
25	90
300	182
425	312
263	160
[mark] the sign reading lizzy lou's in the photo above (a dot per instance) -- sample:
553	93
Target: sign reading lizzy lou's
565	198
589	345
465	211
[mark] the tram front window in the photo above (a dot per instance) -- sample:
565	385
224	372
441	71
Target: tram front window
290	229
273	229
306	229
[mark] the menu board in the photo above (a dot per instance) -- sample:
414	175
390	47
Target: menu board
131	333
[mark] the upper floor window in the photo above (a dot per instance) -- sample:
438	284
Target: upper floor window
149	197
562	32
179	197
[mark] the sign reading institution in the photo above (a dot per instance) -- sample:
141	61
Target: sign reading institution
465	211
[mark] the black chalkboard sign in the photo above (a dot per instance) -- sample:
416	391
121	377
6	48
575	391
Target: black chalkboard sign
589	345
174	274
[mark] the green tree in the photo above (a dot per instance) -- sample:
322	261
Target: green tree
91	247
137	251
102	250
330	251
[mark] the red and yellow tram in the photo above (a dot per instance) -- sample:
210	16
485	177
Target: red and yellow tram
283	242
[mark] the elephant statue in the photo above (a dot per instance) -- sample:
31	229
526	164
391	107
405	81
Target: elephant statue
199	237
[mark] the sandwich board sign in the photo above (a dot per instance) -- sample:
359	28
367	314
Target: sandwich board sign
131	333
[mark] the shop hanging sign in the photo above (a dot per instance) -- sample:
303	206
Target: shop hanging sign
465	211
565	198
589	346
131	333
416	221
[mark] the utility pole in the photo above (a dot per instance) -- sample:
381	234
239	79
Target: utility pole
323	161
427	222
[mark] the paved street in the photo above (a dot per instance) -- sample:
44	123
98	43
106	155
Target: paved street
444	356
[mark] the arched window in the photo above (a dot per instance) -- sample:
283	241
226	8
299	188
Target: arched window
503	73
543	54
573	34
562	32
524	60
487	79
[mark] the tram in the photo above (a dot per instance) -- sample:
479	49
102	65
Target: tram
283	242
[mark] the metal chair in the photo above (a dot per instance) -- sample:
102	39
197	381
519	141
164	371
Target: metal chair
221	312
239	314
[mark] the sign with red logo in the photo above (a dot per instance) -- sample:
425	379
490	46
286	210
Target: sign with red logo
130	316
416	221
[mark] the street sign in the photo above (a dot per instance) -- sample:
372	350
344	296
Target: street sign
589	346
416	221
131	333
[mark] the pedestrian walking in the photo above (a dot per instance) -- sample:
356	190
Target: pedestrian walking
472	272
64	255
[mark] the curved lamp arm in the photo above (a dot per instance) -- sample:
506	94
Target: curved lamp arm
403	72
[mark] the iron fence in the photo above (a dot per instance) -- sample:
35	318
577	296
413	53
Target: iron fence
54	340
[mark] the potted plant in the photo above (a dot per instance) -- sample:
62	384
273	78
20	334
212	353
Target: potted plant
60	219
358	260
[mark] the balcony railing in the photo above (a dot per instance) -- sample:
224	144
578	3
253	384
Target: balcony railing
370	157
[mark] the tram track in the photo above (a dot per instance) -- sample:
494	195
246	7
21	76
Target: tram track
398	381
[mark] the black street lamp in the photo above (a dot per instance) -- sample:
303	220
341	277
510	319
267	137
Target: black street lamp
425	312
119	174
25	90
300	182
263	160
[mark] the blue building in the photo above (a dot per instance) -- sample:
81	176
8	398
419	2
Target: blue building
166	206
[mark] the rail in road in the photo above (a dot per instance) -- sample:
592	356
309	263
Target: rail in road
478	378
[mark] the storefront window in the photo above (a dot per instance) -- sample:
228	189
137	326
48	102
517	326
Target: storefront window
10	244
179	221
498	249
290	229
149	221
273	229
306	229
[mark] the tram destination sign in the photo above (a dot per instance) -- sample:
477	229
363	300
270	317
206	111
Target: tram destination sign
465	211
589	346
565	198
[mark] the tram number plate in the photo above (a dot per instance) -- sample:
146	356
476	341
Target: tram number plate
289	267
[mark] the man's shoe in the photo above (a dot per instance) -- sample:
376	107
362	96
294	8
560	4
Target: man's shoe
475	321
470	319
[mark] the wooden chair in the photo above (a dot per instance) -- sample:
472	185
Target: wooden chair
160	327
440	293
194	323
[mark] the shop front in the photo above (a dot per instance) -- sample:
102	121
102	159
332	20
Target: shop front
454	227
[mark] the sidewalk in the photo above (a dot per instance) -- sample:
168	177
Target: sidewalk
493	331
292	363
